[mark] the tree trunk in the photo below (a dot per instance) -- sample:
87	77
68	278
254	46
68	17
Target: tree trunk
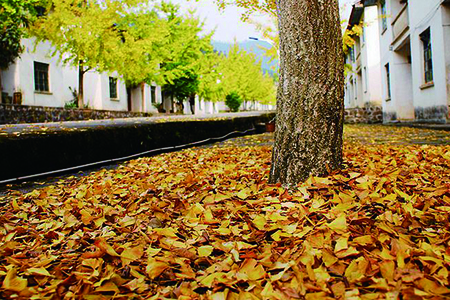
80	84
129	100
310	107
192	103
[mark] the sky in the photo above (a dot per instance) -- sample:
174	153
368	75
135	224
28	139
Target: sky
228	24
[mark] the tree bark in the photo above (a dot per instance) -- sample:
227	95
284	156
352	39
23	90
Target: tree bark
81	72
310	106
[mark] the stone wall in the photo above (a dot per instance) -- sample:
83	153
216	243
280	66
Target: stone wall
365	115
14	114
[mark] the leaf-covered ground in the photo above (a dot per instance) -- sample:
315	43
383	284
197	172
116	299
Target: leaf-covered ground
203	224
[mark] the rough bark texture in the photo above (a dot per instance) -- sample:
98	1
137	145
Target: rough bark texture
310	106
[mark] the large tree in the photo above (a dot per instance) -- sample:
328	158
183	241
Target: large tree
310	108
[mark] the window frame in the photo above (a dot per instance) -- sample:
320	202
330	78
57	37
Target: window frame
427	50
153	93
388	81
113	95
383	12
41	77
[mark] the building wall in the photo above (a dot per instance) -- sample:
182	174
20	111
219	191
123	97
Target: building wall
372	56
430	103
19	77
411	98
363	83
446	30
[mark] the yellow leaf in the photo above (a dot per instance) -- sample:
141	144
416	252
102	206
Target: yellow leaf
12	282
129	255
250	270
205	251
364	240
103	245
387	269
260	222
341	244
38	271
108	287
328	258
339	224
155	268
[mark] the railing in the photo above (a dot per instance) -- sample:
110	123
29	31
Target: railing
400	23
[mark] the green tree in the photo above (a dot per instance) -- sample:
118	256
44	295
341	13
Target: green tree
233	101
85	33
144	33
182	55
242	74
15	16
211	85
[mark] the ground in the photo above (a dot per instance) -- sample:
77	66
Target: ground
203	224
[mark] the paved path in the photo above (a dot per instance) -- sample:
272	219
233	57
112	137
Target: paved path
40	128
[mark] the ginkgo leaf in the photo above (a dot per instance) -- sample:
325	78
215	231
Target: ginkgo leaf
205	251
339	224
12	282
132	254
172	225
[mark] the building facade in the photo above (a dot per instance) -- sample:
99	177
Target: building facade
415	59
39	79
363	72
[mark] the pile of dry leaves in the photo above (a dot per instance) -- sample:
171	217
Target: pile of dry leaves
204	224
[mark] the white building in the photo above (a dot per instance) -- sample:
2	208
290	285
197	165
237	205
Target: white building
39	79
415	59
363	80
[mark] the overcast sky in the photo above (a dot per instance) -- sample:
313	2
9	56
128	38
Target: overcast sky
227	23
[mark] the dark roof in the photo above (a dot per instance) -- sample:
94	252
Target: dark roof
370	2
355	16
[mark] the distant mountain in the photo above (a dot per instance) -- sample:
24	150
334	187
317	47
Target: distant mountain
253	47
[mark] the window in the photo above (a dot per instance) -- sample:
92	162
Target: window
352	54
383	15
112	88
388	81
427	56
363	35
41	77
153	95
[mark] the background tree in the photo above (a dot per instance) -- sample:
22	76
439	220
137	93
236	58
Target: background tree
211	83
138	57
182	56
242	74
233	101
84	33
15	16
310	108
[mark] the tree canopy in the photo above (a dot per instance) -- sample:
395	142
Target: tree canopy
15	16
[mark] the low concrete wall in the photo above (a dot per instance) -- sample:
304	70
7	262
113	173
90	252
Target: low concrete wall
16	114
47	150
364	115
